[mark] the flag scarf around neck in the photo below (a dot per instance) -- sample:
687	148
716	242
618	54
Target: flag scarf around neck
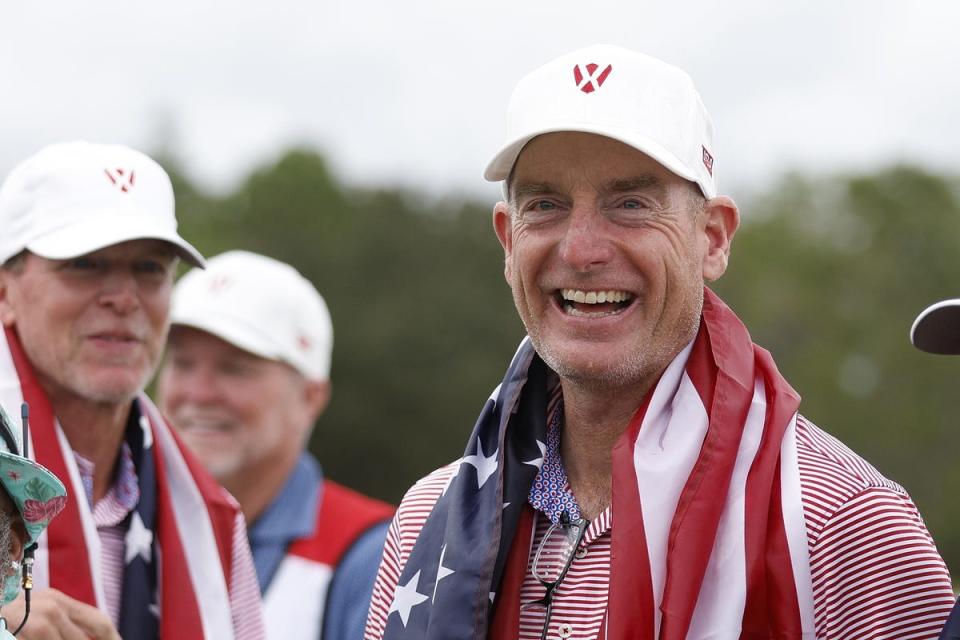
192	523
708	536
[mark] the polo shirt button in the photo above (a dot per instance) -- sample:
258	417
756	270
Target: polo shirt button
566	630
581	553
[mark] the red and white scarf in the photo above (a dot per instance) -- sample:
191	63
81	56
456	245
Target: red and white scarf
709	537
195	517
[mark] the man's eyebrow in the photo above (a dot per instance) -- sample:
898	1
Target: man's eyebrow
646	182
533	189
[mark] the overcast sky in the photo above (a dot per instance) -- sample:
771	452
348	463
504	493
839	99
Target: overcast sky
414	92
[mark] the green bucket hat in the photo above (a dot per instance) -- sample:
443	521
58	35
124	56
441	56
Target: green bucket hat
36	493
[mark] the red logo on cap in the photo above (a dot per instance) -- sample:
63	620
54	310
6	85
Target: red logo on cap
219	283
121	178
304	342
707	160
591	81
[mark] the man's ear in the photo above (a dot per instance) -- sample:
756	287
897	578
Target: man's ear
503	226
721	220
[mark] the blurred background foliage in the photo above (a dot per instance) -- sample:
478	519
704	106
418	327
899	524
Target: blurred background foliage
828	272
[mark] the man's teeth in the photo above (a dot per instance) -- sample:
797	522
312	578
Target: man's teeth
594	297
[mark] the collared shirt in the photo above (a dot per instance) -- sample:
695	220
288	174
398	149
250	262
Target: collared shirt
293	515
580	601
108	514
839	492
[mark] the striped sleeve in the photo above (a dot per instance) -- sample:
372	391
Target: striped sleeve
245	607
401	536
875	569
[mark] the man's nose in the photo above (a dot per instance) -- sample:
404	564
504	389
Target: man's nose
585	244
120	291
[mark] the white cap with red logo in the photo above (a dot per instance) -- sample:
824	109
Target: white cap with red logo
621	94
73	198
260	305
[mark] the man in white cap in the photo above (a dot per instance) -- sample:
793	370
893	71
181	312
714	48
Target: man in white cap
937	330
147	537
642	471
246	376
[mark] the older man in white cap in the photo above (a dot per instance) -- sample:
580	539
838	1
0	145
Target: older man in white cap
246	375
88	251
642	472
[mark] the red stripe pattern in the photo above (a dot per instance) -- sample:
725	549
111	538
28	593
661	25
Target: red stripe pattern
875	569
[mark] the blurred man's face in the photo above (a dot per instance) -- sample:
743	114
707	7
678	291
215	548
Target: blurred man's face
245	417
93	327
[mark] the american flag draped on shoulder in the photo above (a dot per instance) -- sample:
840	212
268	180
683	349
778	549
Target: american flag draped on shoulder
707	464
178	538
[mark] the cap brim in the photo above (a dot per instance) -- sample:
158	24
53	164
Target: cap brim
94	234
937	328
27	481
227	329
502	164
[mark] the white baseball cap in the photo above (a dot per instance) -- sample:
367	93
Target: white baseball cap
260	305
621	94
937	328
73	198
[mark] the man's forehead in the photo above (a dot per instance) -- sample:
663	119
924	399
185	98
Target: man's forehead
561	157
141	248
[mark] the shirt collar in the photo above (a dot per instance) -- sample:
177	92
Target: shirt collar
293	513
550	492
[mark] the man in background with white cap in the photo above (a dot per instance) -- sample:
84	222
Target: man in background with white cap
247	373
937	330
88	251
642	471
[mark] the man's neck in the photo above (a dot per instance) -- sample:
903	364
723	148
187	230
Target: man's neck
593	422
256	488
95	431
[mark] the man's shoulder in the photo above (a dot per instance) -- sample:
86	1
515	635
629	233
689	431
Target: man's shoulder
418	502
824	458
832	476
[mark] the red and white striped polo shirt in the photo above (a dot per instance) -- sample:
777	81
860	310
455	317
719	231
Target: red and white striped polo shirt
875	570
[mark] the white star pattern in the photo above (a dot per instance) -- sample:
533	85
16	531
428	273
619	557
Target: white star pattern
147	433
138	541
485	465
538	462
407	597
442	572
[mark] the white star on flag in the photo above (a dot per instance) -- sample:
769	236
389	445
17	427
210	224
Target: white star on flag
138	541
147	433
538	462
442	572
406	597
485	465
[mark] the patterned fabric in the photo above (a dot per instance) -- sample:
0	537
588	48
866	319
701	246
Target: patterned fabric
550	492
194	597
729	409
407	586
843	609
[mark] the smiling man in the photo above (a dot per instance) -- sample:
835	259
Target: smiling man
246	376
148	545
642	471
